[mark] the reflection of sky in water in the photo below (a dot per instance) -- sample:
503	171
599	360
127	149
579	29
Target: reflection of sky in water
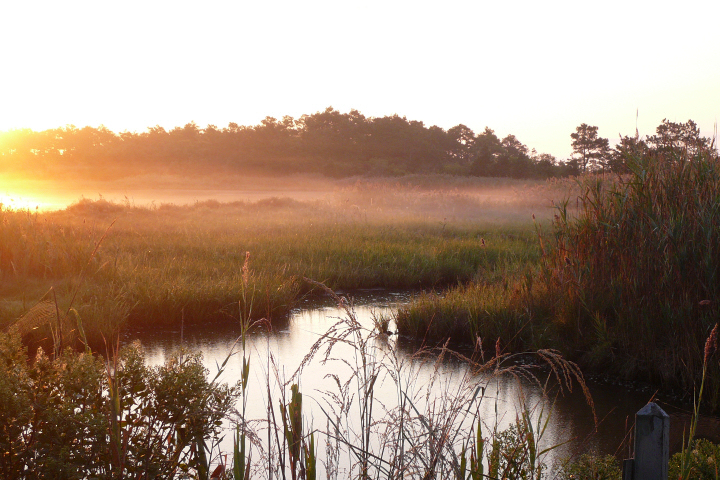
53	198
571	419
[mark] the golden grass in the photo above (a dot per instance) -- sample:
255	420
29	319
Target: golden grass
167	263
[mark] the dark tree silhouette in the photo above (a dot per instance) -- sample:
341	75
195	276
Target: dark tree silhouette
672	139
328	142
590	150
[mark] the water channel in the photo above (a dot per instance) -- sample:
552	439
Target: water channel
571	423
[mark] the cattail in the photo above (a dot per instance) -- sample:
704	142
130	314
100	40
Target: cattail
710	344
498	350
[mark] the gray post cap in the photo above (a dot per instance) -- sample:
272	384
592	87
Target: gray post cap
652	410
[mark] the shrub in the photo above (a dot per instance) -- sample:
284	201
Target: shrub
75	416
704	458
592	467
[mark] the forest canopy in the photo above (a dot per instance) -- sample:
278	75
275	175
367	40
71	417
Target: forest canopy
330	143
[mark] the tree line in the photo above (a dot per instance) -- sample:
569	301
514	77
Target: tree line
329	142
672	141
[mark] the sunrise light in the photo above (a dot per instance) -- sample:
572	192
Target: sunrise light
532	69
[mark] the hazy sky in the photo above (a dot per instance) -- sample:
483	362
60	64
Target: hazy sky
535	69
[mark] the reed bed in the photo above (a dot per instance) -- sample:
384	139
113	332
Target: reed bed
634	273
626	281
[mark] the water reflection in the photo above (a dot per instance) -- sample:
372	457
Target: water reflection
277	355
31	195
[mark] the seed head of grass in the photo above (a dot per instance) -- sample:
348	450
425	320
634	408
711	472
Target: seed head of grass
710	344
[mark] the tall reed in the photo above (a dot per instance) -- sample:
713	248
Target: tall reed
627	282
634	271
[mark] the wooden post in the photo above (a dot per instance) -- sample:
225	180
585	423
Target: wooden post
652	445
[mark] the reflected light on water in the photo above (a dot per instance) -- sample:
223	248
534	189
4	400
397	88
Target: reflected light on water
570	429
290	344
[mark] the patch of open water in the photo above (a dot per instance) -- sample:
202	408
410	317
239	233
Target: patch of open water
571	424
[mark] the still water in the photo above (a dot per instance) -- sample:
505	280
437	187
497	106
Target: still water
281	356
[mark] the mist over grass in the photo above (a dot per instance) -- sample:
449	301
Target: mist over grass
165	264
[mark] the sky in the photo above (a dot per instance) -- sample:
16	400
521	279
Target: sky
534	69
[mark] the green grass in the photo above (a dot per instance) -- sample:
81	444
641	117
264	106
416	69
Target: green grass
166	264
496	305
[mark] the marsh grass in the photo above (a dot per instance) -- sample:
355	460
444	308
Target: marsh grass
162	265
634	273
506	308
505	301
626	280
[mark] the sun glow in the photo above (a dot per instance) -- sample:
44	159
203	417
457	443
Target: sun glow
532	69
32	196
11	201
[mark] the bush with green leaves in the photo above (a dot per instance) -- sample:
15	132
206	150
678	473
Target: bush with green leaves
78	416
703	462
592	467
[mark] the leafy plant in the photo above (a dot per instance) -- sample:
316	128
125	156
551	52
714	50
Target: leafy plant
75	417
591	467
698	460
